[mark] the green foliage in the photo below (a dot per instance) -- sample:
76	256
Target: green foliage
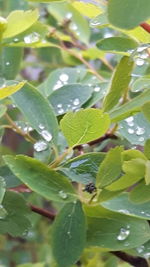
74	133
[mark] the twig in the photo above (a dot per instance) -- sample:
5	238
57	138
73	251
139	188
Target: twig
145	26
48	214
134	261
21	189
27	136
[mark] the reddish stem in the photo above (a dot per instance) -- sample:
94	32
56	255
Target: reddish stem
145	26
48	214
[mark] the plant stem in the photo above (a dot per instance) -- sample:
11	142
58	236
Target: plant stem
60	158
27	136
145	26
43	212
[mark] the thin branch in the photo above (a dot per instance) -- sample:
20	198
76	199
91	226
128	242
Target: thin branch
48	214
134	261
145	26
21	189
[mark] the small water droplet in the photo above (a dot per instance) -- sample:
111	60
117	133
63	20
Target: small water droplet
57	85
108	35
68	15
124	211
129	119
46	135
130	131
60	111
139	62
76	102
141	139
62	194
73	26
40	146
123	234
32	38
140	131
147	255
126	244
7	63
16	40
142	47
41	126
97	89
64	77
140	249
69	215
27	129
144	55
59	105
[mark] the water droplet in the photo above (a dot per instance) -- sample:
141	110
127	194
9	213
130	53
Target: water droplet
76	102
32	38
68	15
61	111
41	126
57	85
69	215
142	212
131	124
123	234
59	105
140	131
40	146
124	211
108	35
142	47
16	40
126	244
144	55
7	63
62	194
73	26
147	255
95	22
46	135
130	131
27	129
64	77
141	139
140	249
129	119
139	62
97	89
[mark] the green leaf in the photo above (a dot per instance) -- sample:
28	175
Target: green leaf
146	110
10	63
9	90
84	126
50	185
147	172
141	193
83	168
3	110
2	188
70	97
110	168
19	21
135	129
69	233
106	194
78	25
120	82
128	14
132	154
135	167
37	111
10	179
147	148
100	21
140	84
117	233
123	205
99	90
16	222
3	24
130	108
117	44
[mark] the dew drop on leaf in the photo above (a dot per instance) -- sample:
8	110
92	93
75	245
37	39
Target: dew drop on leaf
46	135
32	38
40	146
123	234
130	131
76	102
139	62
140	131
97	89
62	194
64	77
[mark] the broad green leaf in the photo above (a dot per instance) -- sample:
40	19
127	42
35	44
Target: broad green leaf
69	233
141	193
132	154
70	97
10	179
3	25
128	14
50	185
147	148
135	129
87	9
140	84
2	188
3	110
60	77
99	91
78	25
143	251
83	168
146	110
130	108
19	21
110	168
37	111
10	63
123	205
84	126
9	90
119	84
15	222
106	194
117	44
134	167
117	233
124	182
100	21
147	172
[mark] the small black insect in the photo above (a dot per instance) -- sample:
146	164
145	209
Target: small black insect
90	188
